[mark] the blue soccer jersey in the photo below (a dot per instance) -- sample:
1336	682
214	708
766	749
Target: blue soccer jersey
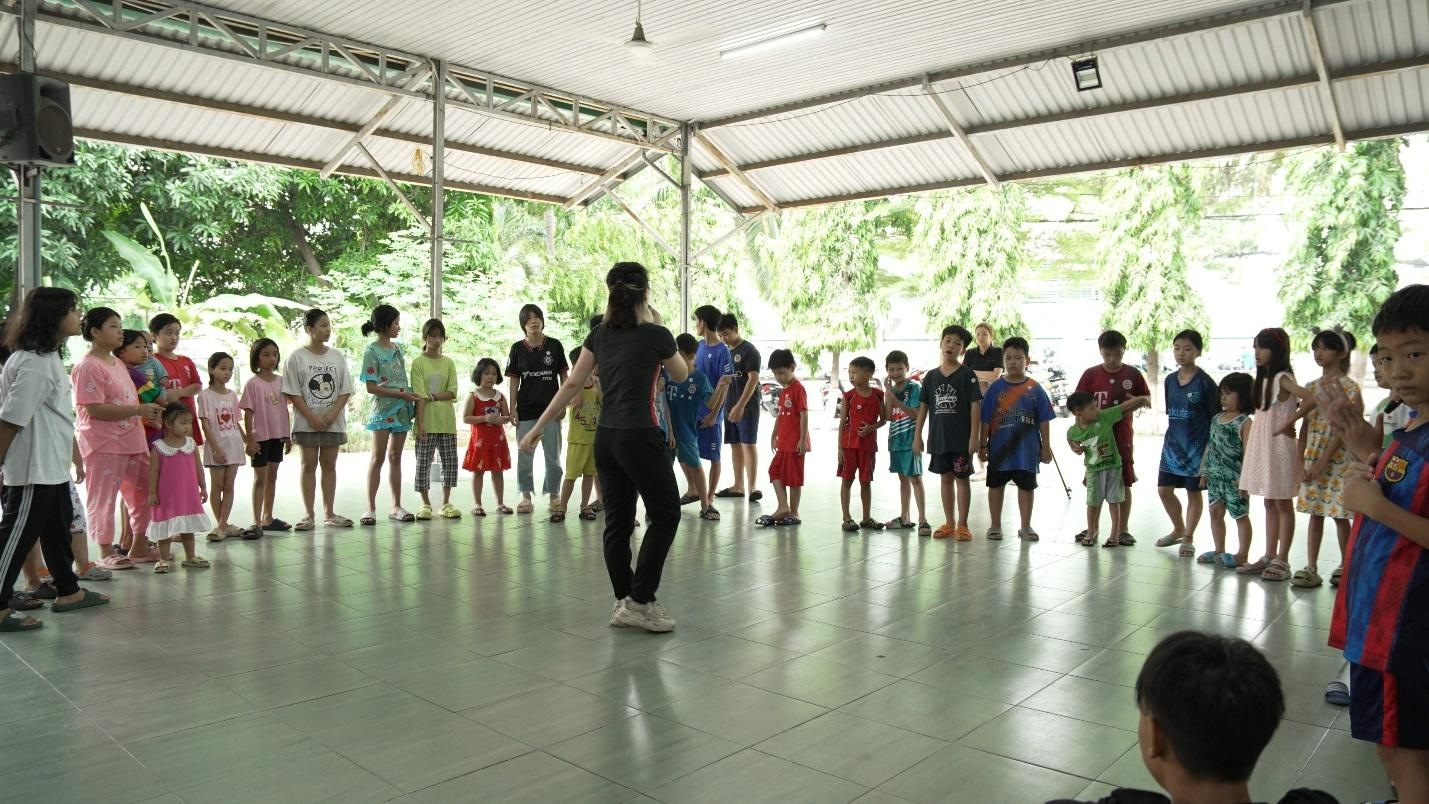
1189	410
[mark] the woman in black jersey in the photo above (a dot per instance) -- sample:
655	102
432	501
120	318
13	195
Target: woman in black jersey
630	347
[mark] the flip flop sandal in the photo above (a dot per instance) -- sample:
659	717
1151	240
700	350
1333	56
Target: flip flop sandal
214	536
1168	540
502	509
1079	537
277	524
1112	541
943	532
789	521
15	621
478	511
23	601
850	526
1337	693
756	495
368	519
1186	550
402	516
689	498
764	520
197	562
1228	560
304	524
94	573
1126	539
558	516
962	534
897	523
116	561
88	600
871	524
924	529
338	521
710	513
588	514
994	534
1085	540
729	493
252	534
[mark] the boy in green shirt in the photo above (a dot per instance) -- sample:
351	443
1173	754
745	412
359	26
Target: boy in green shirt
1091	436
433	377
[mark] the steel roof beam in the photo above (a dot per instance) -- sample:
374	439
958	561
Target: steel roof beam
1116	164
303	164
252	40
1294	82
371	125
650	230
720	157
1227	20
392	185
1327	92
598	183
264	113
952	122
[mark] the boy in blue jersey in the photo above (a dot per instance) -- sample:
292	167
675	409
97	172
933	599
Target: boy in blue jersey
687	401
1191	402
901	399
712	357
1015	437
1381	617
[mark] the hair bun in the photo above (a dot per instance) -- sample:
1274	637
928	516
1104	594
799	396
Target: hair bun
630	274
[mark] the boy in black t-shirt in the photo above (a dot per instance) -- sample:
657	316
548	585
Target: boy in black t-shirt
535	369
741	411
950	409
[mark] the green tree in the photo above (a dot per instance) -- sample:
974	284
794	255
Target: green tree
1151	214
1341	265
827	279
975	244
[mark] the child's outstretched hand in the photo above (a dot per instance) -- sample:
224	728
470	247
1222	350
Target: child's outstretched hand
251	447
530	440
1046	457
1347	419
218	455
153	500
1361	494
1203	481
202	494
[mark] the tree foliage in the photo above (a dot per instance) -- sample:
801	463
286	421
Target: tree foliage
1341	265
975	244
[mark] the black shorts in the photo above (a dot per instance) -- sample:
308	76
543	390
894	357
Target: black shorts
1022	478
269	451
957	464
1391	709
1187	482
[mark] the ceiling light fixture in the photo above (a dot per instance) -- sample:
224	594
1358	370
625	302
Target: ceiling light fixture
776	40
637	41
1086	74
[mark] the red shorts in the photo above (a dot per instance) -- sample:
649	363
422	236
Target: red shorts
787	469
856	464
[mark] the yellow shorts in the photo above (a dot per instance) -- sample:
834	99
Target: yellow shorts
580	460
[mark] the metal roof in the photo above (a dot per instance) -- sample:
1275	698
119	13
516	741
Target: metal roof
898	96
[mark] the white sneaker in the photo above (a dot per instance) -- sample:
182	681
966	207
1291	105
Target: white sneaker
615	614
660	613
638	615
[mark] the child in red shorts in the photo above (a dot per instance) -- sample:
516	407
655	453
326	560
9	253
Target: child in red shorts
860	416
790	442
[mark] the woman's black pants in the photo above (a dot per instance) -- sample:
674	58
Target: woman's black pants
631	463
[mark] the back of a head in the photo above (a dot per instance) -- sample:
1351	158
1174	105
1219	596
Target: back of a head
1217	699
687	344
627	283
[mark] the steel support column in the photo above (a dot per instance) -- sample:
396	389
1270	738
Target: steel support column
27	179
686	172
439	162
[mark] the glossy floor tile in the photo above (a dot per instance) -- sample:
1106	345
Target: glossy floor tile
473	660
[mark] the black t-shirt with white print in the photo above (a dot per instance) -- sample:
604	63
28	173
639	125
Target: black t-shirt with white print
539	370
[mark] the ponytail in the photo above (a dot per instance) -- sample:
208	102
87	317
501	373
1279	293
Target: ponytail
629	285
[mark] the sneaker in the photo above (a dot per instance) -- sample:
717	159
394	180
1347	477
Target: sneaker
615	614
448	511
638	615
661	614
425	512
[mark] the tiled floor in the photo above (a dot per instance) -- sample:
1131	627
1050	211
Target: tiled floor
472	661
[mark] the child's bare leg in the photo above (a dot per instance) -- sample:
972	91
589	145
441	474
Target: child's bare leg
945	482
187	540
1024	507
498	485
794	495
1123	524
568	486
994	505
1243	535
374	465
164	550
126	533
1114	514
1272	528
905	490
311	459
1316	534
917	483
31	567
1342	535
260	492
395	446
845	486
1195	507
1094	521
781	494
476	487
1172	504
1286	523
79	545
270	492
327	457
587	485
865	496
215	500
964	500
1218	527
1408	768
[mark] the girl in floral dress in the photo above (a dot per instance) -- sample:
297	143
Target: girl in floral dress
488	414
384	369
1326	459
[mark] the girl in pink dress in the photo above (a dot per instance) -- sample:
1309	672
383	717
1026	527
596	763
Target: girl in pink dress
222	441
487	413
176	489
1272	466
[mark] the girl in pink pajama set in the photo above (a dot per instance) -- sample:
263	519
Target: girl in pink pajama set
109	428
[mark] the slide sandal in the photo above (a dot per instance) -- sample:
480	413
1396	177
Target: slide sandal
689	498
25	602
15	621
1337	693
729	493
89	600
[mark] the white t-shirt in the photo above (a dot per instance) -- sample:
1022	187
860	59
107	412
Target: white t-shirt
35	394
320	380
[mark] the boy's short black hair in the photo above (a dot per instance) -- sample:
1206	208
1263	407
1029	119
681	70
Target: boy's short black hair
709	315
1111	339
1079	400
687	343
1407	309
1240	383
1017	342
1218	700
896	357
862	362
958	330
727	322
781	359
1189	336
158	322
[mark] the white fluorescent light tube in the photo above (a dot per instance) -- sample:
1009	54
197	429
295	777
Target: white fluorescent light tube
773	41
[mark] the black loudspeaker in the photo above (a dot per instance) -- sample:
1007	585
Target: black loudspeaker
35	123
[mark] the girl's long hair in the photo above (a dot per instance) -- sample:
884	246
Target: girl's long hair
628	283
1340	341
37	326
1275	340
382	317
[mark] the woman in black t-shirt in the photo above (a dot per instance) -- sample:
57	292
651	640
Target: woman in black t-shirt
630	347
985	360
